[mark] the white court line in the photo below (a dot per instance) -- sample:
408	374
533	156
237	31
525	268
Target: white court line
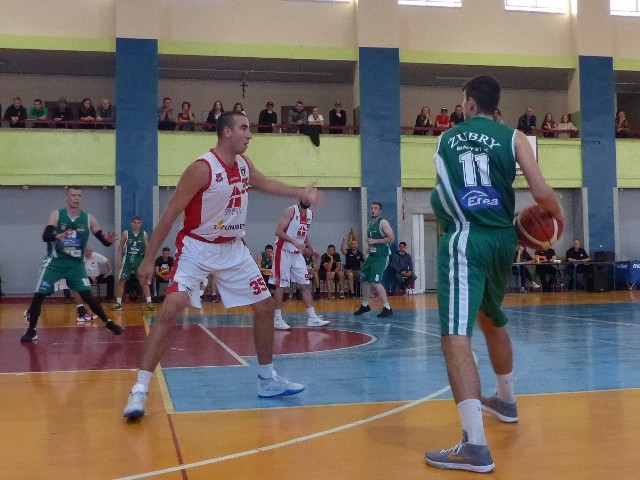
224	345
566	317
293	441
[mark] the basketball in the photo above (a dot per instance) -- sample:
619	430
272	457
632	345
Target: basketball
537	229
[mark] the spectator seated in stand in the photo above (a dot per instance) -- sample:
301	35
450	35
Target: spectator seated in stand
212	118
267	119
39	114
95	264
456	117
337	118
527	122
423	120
186	119
622	126
297	117
62	113
87	114
443	121
106	113
401	264
162	269
548	124
565	124
16	114
549	274
331	271
521	271
265	264
353	260
577	257
166	117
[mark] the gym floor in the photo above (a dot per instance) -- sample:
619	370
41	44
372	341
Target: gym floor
377	394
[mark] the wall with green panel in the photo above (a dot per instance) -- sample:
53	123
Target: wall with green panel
560	162
57	157
290	158
628	163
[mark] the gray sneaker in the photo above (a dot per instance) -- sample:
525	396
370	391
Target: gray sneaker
464	456
506	412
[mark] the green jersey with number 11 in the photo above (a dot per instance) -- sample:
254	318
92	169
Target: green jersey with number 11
476	167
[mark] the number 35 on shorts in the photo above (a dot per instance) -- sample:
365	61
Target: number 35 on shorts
258	285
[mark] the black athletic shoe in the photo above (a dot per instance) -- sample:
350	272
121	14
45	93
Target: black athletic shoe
386	312
362	310
30	336
114	327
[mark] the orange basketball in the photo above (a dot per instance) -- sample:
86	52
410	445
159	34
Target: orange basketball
537	229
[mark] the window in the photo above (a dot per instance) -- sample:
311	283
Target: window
549	6
625	7
432	3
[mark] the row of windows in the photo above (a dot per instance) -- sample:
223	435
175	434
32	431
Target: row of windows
617	7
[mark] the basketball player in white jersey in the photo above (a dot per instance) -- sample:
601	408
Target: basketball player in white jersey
213	194
289	264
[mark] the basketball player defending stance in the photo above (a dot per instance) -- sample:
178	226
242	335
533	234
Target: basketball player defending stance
67	233
213	193
289	263
474	202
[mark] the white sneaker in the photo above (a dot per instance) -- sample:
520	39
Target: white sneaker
280	324
137	399
276	386
534	285
317	321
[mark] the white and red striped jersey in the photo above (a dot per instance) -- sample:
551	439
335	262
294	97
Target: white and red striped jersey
297	229
219	211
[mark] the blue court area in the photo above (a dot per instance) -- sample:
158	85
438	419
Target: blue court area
557	349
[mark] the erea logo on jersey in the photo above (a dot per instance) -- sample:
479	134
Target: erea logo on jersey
478	198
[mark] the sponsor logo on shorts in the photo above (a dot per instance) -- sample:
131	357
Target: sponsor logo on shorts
478	198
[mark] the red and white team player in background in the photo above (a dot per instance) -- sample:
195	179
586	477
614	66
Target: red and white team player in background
213	193
289	264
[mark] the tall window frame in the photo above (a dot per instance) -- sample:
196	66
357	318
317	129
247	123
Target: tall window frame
544	6
432	3
625	8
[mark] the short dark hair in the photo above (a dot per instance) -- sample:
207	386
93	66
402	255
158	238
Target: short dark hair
377	203
227	119
37	100
331	245
403	243
166	249
485	90
267	247
136	217
165	99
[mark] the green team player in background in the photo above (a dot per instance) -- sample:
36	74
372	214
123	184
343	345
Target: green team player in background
379	237
133	244
66	234
474	203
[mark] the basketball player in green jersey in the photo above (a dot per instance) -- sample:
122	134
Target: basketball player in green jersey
474	203
379	237
66	234
133	244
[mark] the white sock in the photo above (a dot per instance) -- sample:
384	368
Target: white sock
80	305
386	305
278	313
365	303
144	378
505	388
265	371
148	299
119	300
311	312
471	419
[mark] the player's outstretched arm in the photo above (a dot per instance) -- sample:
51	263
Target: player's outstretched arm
542	193
269	185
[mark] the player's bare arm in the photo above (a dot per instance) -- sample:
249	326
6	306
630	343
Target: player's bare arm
386	229
268	185
542	193
286	217
194	179
106	238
